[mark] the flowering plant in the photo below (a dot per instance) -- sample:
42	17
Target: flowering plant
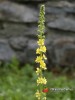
40	59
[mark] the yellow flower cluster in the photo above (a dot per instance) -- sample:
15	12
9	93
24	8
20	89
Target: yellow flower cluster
43	65
44	98
40	58
41	49
40	42
41	80
38	94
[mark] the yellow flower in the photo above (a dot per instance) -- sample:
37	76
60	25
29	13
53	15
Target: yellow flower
38	71
44	57
38	51
40	42
38	59
38	94
43	65
41	80
44	98
43	49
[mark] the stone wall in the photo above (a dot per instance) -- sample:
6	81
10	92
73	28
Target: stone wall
18	30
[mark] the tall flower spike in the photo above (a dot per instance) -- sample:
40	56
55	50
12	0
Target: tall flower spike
40	59
41	26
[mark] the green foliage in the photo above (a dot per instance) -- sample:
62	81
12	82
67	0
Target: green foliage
61	82
20	84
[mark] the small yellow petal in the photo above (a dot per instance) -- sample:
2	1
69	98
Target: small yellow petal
38	51
44	57
38	59
40	42
44	98
43	49
38	94
42	65
38	71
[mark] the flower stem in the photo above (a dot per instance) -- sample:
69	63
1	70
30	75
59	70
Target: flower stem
41	50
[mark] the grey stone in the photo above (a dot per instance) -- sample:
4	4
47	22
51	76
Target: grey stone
60	7
28	0
60	4
18	30
16	12
31	51
6	53
62	51
12	30
60	10
18	43
21	56
62	23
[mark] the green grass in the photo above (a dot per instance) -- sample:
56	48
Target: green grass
20	84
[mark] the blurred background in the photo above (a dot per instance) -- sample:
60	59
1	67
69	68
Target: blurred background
18	43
